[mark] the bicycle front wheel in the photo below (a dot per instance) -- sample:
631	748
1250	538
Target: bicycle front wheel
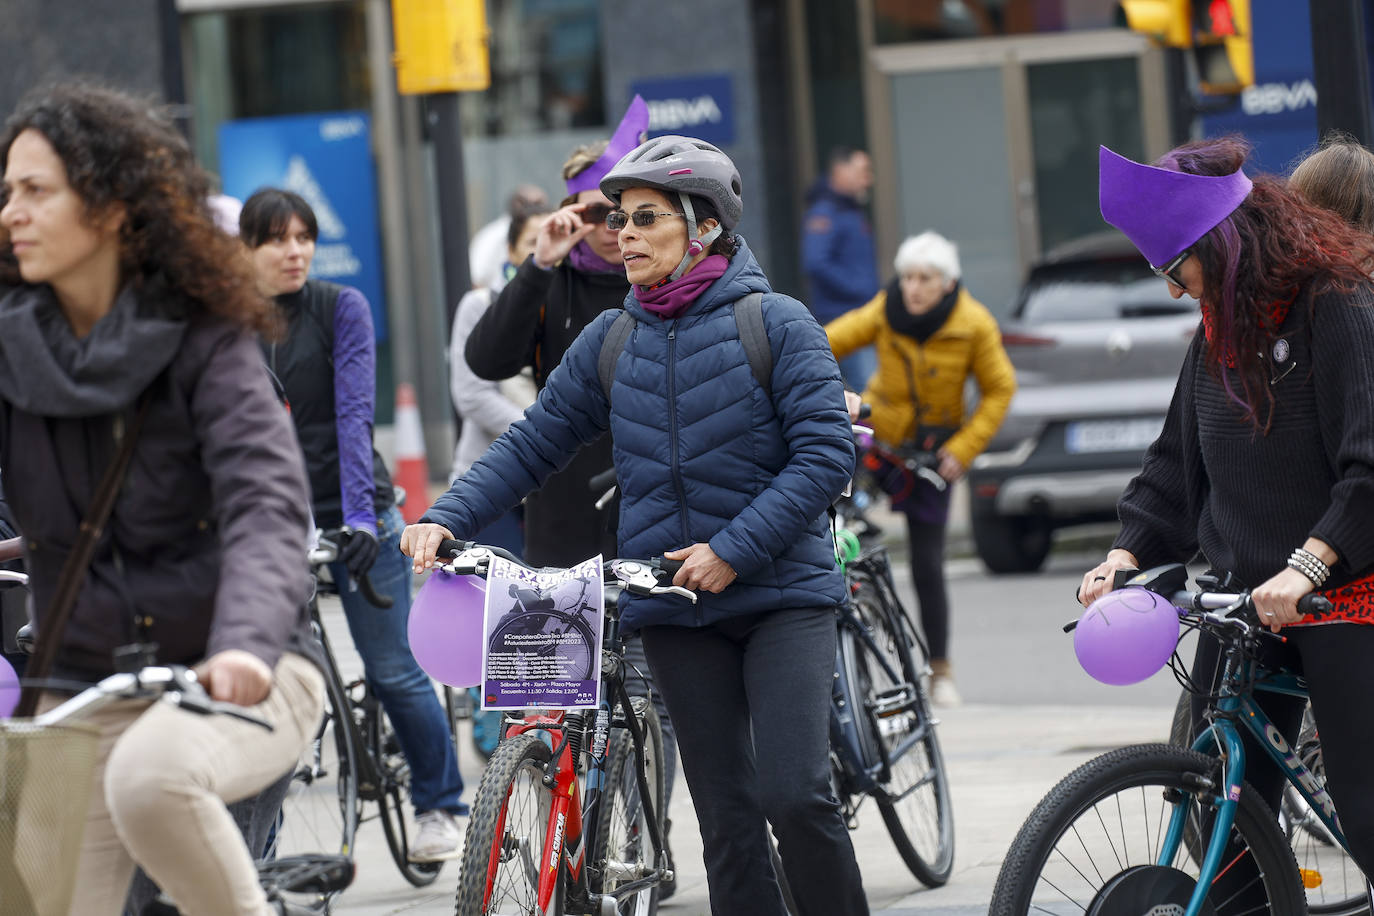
320	811
914	797
623	852
504	847
1096	845
393	795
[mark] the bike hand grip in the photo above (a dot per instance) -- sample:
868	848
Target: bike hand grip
603	481
1312	603
373	597
450	548
669	566
1119	580
865	410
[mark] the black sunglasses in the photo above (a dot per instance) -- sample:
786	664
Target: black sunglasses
1168	270
618	219
596	213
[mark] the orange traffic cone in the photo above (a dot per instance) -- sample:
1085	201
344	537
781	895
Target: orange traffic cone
411	472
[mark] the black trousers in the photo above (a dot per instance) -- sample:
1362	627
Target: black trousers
750	700
1337	661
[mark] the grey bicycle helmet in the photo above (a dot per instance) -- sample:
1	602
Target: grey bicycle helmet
684	166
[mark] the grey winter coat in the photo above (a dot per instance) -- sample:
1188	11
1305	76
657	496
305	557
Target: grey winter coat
205	550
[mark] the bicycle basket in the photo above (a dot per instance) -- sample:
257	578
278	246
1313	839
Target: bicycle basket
45	785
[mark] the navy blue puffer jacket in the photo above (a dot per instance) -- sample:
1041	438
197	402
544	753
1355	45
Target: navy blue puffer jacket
702	454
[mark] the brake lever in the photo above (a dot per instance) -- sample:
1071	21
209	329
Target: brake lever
933	478
473	561
639	579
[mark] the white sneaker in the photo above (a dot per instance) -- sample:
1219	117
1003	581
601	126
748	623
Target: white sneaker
943	692
437	837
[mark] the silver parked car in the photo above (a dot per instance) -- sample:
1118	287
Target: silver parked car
1097	343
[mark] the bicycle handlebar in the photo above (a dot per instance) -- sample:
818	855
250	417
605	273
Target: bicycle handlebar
639	577
176	682
1238	607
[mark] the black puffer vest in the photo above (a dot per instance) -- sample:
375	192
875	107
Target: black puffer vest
304	363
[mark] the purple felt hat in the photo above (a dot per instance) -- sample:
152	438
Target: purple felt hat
627	136
1160	210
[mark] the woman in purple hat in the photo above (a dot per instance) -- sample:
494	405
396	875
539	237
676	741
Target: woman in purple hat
1265	465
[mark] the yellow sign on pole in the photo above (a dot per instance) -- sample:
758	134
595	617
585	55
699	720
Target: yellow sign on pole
441	46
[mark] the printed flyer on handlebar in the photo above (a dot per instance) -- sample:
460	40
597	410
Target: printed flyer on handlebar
543	636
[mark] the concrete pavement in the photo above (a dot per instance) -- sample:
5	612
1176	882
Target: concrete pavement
1001	760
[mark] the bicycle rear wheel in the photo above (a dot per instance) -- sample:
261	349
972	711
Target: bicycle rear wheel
1094	844
504	847
393	795
623	851
914	797
321	808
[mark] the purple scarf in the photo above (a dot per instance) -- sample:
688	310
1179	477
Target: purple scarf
669	300
589	262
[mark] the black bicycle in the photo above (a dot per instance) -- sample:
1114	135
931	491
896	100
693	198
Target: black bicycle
354	758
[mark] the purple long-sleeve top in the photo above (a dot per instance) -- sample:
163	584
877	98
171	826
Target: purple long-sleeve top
355	401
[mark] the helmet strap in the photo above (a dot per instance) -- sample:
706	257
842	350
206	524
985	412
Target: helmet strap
695	246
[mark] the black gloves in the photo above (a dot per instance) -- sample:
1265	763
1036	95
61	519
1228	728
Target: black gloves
359	552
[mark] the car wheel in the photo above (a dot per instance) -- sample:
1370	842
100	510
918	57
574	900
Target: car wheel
1012	543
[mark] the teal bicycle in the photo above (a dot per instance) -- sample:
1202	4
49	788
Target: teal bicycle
1167	831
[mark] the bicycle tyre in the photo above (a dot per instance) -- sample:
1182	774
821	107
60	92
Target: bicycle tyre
1146	774
504	845
574	622
1338	884
623	850
915	800
321	809
393	795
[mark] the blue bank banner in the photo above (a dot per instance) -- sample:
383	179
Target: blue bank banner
695	106
327	160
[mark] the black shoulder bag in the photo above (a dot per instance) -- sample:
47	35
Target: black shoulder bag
73	574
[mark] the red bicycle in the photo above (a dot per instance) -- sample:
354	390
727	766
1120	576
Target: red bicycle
568	817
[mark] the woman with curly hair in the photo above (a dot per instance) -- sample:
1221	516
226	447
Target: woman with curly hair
121	298
1265	465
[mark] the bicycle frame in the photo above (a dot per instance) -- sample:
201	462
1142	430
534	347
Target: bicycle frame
865	775
574	817
1222	738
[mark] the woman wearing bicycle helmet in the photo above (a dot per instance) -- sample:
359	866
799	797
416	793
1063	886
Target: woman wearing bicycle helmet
1265	464
733	479
127	301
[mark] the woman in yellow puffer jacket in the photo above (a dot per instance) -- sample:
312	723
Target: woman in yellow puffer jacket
930	336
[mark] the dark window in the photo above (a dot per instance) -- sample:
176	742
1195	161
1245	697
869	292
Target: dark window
1097	291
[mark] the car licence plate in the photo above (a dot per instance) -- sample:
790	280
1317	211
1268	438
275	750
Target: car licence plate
1112	435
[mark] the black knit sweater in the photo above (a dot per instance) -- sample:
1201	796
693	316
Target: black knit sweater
1212	483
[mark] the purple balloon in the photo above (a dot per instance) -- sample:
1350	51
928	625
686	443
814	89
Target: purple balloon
9	689
1126	635
445	628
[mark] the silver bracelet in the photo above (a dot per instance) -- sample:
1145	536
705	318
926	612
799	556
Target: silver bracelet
1311	567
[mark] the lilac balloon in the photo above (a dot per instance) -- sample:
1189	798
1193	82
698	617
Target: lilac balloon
1126	635
9	689
445	628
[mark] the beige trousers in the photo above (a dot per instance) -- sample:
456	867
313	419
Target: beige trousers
162	781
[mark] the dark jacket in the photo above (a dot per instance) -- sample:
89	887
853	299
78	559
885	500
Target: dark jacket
206	545
7	526
304	361
532	323
702	453
838	255
1211	483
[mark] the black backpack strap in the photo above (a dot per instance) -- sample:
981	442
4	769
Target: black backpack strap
754	336
611	345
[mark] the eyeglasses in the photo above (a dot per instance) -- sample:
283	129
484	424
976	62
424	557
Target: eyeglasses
1167	271
596	213
618	219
